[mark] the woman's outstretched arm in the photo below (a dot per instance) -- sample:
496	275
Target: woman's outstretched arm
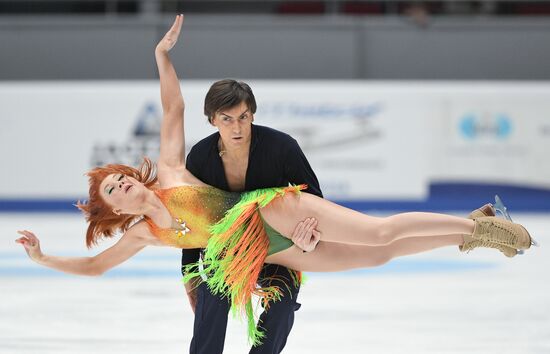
171	164
125	248
172	138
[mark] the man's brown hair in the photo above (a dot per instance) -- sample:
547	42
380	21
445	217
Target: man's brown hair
225	94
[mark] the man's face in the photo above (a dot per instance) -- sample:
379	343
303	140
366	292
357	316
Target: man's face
234	125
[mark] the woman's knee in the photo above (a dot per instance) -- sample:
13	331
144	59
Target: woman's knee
383	232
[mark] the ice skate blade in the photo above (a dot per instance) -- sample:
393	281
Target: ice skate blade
500	207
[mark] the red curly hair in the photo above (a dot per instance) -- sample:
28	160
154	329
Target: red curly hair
102	221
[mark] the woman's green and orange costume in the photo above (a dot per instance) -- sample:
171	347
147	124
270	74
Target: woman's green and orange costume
236	238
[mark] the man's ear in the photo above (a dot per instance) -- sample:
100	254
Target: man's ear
211	121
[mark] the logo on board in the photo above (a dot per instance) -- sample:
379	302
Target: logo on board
494	126
144	141
351	124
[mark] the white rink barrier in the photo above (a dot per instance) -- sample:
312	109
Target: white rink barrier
365	140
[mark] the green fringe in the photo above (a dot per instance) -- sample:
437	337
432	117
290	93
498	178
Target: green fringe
217	261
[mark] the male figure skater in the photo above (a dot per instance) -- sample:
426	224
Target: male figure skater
240	157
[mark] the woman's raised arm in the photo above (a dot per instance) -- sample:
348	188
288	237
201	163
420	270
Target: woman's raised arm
172	141
125	248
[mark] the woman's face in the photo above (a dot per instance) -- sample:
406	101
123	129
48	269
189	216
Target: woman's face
124	193
234	125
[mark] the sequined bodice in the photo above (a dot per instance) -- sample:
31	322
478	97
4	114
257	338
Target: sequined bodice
194	209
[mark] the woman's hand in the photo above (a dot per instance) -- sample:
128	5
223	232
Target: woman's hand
31	243
171	37
305	236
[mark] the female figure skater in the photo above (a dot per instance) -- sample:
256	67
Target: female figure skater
241	231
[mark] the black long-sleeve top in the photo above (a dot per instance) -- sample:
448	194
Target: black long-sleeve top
275	160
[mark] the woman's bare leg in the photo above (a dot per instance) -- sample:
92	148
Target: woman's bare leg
332	257
343	225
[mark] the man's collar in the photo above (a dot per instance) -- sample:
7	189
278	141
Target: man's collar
253	138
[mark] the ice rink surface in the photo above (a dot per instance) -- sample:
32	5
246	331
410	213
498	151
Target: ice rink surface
440	302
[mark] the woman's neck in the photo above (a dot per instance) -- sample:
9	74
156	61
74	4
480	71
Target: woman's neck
152	207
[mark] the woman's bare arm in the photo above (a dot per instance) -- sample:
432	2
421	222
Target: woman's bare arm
129	244
172	141
171	164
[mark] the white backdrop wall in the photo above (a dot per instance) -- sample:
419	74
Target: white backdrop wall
365	140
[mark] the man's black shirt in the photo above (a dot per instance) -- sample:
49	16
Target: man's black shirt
275	160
